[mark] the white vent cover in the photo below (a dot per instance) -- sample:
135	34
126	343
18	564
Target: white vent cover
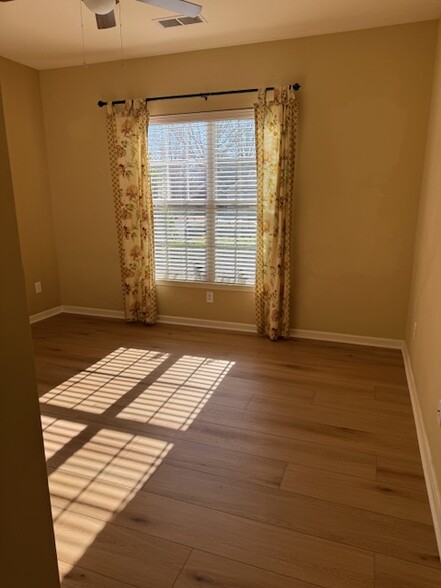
179	21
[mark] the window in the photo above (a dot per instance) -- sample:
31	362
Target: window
203	173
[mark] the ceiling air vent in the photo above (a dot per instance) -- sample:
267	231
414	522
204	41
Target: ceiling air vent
167	23
179	21
186	20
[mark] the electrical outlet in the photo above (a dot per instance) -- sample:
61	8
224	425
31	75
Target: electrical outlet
38	287
414	330
209	297
438	413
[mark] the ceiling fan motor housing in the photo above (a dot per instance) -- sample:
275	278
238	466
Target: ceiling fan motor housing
100	6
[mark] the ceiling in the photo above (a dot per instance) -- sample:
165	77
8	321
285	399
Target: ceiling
47	33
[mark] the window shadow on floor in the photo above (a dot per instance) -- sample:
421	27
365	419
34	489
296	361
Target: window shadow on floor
107	429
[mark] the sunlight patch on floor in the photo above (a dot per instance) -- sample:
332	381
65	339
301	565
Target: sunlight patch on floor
98	481
95	470
57	433
117	457
176	398
103	384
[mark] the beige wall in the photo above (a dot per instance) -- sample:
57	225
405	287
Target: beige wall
365	102
26	140
28	551
425	307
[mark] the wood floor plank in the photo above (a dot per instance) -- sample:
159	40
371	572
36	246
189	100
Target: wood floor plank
206	570
229	397
253	443
324	434
394	573
391	394
115	552
394	423
372	495
364	401
73	576
279	550
230	464
344	371
298	393
349	525
85	454
401	472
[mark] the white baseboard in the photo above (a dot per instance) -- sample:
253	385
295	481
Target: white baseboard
40	316
227	326
102	312
206	324
433	489
344	338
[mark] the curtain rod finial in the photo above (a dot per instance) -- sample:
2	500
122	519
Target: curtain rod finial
101	103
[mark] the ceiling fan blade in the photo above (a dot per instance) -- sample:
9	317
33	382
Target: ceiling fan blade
106	21
177	6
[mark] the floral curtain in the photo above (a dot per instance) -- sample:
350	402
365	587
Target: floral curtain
276	134
127	138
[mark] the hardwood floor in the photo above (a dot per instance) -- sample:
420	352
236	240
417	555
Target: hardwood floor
186	458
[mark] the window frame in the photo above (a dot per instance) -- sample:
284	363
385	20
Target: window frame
233	114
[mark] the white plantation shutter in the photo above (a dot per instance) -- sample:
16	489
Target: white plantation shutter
203	174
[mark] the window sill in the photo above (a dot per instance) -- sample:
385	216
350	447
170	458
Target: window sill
205	285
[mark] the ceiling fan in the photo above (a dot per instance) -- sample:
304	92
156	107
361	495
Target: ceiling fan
104	10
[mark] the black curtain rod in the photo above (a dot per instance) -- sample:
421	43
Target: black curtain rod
204	95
